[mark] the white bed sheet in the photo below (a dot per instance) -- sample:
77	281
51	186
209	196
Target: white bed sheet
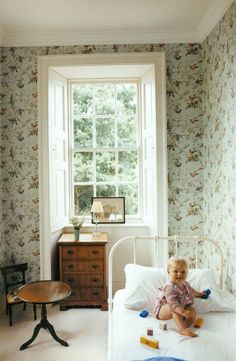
216	341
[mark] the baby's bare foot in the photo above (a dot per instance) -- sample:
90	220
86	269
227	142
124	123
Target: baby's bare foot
187	332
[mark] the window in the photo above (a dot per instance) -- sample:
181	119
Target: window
54	74
104	123
105	146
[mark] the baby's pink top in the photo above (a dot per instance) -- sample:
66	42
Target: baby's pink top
175	295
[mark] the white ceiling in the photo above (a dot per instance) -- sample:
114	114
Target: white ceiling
76	22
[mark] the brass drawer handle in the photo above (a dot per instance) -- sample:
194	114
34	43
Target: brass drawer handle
94	266
94	251
70	266
95	279
70	252
95	293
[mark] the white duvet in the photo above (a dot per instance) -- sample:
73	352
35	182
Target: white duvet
216	340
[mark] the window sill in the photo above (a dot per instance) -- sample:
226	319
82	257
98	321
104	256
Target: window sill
128	224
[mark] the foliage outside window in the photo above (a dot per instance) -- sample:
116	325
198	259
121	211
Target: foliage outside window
105	154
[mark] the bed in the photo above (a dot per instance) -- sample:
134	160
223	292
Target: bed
216	341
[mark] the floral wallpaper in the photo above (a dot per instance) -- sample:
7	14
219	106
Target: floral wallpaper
184	125
2	243
185	110
219	140
19	148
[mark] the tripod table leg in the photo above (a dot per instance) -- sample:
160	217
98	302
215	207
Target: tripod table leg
35	334
46	325
54	335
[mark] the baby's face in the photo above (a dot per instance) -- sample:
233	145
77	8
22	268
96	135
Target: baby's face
178	273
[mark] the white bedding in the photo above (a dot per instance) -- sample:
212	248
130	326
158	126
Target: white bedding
216	341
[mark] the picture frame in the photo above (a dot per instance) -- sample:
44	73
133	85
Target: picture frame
113	210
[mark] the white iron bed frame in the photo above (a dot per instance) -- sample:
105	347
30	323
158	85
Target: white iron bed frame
177	240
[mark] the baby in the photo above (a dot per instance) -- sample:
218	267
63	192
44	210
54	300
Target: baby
176	298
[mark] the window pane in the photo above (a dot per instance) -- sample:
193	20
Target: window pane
105	166
83	132
127	165
82	99
82	199
127	133
130	192
83	167
105	132
106	191
126	98
104	99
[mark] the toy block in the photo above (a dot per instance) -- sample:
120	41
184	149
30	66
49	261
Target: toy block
198	323
206	292
163	326
150	331
151	342
144	313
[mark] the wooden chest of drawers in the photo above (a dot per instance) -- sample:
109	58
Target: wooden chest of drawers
83	267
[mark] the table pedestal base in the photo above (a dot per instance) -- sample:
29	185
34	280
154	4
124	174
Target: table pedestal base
46	325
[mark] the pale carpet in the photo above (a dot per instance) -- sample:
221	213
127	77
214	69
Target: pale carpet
84	329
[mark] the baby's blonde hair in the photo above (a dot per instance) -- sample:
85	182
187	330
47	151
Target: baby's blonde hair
176	260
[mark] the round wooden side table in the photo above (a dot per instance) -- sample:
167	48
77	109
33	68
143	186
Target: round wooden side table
43	293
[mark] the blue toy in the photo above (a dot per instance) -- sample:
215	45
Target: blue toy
144	313
206	294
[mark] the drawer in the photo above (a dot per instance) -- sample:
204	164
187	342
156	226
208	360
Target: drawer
85	280
80	252
94	266
86	294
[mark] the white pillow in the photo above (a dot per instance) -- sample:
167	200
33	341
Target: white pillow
201	279
218	301
142	284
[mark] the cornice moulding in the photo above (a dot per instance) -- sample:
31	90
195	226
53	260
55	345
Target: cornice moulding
212	18
99	38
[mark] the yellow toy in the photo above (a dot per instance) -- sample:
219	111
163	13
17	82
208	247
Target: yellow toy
151	342
198	323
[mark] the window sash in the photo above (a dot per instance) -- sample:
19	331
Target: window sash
116	149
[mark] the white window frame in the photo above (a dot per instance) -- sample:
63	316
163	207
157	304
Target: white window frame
45	62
